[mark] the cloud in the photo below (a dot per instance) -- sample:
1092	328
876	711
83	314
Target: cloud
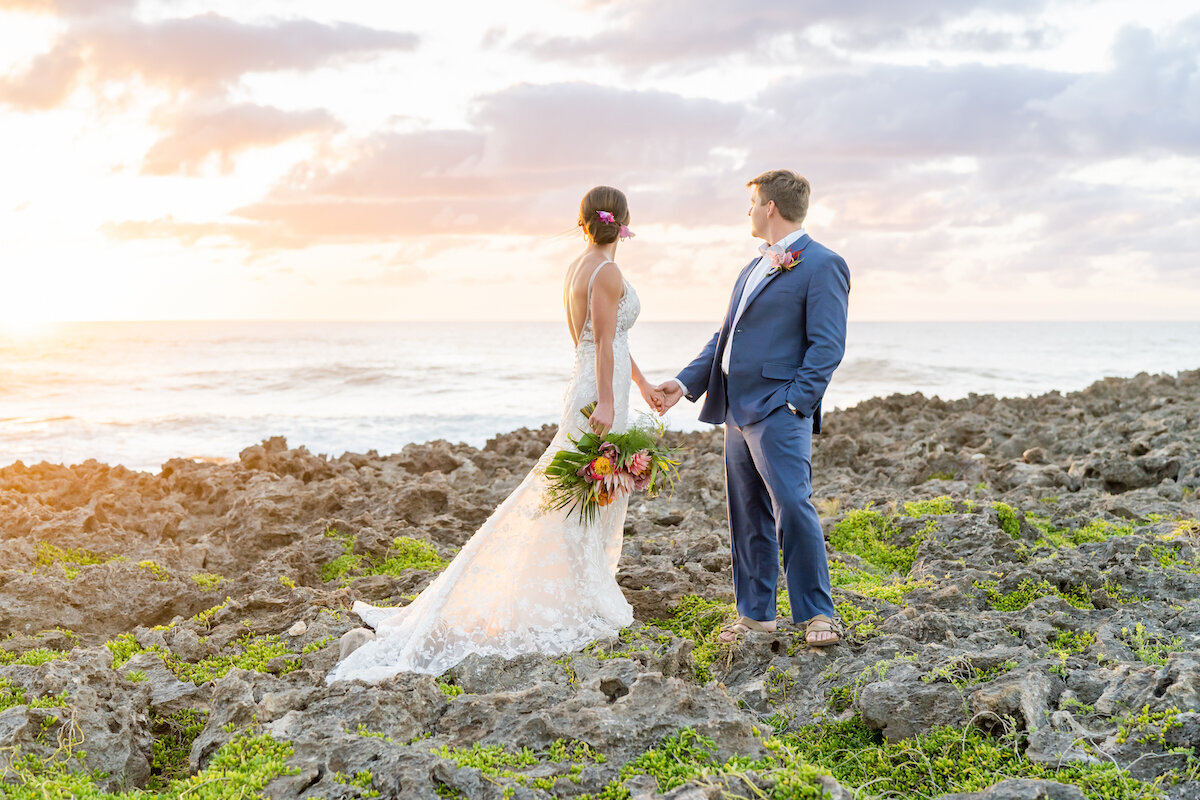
260	238
678	33
388	165
890	112
1150	99
926	169
514	174
45	83
208	49
68	8
409	275
934	170
565	125
195	134
204	53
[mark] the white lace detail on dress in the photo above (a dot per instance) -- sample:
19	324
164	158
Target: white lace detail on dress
527	581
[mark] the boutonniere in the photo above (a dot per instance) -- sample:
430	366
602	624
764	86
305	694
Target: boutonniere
784	260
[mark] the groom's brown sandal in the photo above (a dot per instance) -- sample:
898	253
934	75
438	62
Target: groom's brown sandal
743	625
822	624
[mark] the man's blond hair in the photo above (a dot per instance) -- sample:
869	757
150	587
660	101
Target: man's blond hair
789	191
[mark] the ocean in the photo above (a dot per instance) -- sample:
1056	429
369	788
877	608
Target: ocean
139	393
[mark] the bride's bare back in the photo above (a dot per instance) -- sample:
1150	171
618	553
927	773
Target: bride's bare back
606	292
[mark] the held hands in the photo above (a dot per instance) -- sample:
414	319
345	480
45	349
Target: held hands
652	396
670	392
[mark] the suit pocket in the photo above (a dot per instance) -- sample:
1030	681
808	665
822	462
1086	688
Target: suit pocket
779	372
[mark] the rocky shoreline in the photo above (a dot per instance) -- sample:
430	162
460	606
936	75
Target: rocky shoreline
1019	578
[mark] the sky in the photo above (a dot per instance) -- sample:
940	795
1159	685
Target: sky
369	160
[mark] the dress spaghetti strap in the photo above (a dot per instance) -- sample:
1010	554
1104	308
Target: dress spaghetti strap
592	280
587	316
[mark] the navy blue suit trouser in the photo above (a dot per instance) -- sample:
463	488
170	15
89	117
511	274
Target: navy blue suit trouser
768	475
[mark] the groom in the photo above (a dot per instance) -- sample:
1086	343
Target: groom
765	372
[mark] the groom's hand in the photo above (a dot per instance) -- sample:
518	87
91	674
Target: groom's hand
671	394
652	396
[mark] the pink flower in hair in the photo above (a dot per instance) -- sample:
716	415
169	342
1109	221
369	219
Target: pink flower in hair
606	216
625	233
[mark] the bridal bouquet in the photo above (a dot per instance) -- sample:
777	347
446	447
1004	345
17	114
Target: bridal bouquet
597	471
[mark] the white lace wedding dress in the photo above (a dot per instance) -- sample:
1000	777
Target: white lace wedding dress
527	581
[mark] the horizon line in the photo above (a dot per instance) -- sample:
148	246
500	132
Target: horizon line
527	321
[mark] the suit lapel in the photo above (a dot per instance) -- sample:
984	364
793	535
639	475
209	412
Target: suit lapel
738	288
799	244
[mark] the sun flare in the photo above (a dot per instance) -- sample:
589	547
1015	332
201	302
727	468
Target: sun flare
26	329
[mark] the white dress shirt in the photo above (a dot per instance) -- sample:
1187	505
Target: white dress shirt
757	273
756	277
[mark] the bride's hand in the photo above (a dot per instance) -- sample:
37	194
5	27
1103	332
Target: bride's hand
601	419
652	396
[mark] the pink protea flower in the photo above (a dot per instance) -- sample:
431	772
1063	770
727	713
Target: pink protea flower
638	463
619	483
586	473
609	450
642	482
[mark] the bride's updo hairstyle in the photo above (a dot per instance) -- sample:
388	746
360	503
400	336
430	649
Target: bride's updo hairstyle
603	198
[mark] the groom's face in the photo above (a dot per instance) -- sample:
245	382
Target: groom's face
758	214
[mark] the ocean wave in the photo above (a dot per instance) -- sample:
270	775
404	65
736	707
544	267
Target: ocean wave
138	395
35	420
883	370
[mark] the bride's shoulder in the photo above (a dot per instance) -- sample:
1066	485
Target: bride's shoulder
587	269
607	280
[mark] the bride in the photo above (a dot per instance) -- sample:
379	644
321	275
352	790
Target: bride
530	581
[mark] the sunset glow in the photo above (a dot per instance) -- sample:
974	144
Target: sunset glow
306	160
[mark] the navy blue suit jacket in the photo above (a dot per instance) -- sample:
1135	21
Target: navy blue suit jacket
790	338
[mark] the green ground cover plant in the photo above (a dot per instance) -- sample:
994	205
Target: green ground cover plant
39	655
1148	647
1054	537
944	760
207	580
69	559
1009	521
240	769
938	505
1028	591
688	756
173	737
887	588
1068	643
1149	727
961	673
498	763
700	620
867	534
158	571
249	652
404	554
